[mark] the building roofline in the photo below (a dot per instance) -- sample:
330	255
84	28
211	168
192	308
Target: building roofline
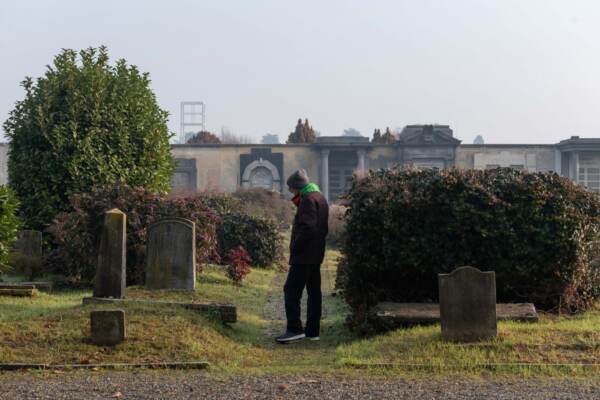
497	145
218	145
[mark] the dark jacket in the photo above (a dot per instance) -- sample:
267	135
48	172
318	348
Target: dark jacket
309	231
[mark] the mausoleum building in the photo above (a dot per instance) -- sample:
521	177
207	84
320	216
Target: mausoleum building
332	160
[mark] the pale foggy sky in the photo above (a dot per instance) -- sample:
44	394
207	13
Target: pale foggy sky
514	71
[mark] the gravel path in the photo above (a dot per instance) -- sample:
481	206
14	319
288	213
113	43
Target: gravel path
202	385
274	308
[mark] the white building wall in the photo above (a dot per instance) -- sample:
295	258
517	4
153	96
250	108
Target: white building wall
534	158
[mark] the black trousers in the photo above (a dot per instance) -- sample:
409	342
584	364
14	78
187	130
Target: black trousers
298	277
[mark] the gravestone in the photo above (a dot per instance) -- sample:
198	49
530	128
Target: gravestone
108	327
111	269
171	255
27	252
468	304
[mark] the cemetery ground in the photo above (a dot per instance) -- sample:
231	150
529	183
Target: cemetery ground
54	328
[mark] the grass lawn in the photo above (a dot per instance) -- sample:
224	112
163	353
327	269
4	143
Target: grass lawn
54	328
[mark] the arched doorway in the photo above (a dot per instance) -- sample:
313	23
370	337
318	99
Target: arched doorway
261	174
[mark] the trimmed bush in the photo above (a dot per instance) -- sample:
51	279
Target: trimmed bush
535	230
76	234
259	236
249	219
267	204
221	203
9	224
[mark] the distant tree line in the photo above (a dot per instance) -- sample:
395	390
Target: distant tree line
386	138
304	133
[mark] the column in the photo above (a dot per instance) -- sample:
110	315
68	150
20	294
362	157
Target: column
576	162
400	156
361	160
325	173
574	166
558	162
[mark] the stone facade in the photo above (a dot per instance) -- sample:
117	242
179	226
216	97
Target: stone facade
331	161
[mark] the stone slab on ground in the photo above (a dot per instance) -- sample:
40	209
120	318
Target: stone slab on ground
429	313
226	312
188	365
41	286
19	292
107	327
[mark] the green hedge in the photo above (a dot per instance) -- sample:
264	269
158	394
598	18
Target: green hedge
247	220
403	227
259	236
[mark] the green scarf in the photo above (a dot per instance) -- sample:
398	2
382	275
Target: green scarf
310	188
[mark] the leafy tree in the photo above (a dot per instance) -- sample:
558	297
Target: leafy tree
478	140
304	133
386	138
204	137
85	123
230	137
351	132
376	136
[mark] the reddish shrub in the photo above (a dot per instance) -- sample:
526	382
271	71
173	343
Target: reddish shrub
76	234
238	264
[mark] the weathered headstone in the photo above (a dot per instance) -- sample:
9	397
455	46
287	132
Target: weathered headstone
108	327
171	255
468	304
110	272
27	252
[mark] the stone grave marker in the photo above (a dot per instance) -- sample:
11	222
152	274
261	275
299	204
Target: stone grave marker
171	255
27	251
111	269
468	304
108	327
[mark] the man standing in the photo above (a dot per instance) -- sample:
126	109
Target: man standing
307	250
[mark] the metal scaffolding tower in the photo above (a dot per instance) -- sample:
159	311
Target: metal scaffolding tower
192	119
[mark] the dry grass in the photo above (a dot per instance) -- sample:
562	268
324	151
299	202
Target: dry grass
55	329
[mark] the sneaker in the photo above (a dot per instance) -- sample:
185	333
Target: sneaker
289	337
313	338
